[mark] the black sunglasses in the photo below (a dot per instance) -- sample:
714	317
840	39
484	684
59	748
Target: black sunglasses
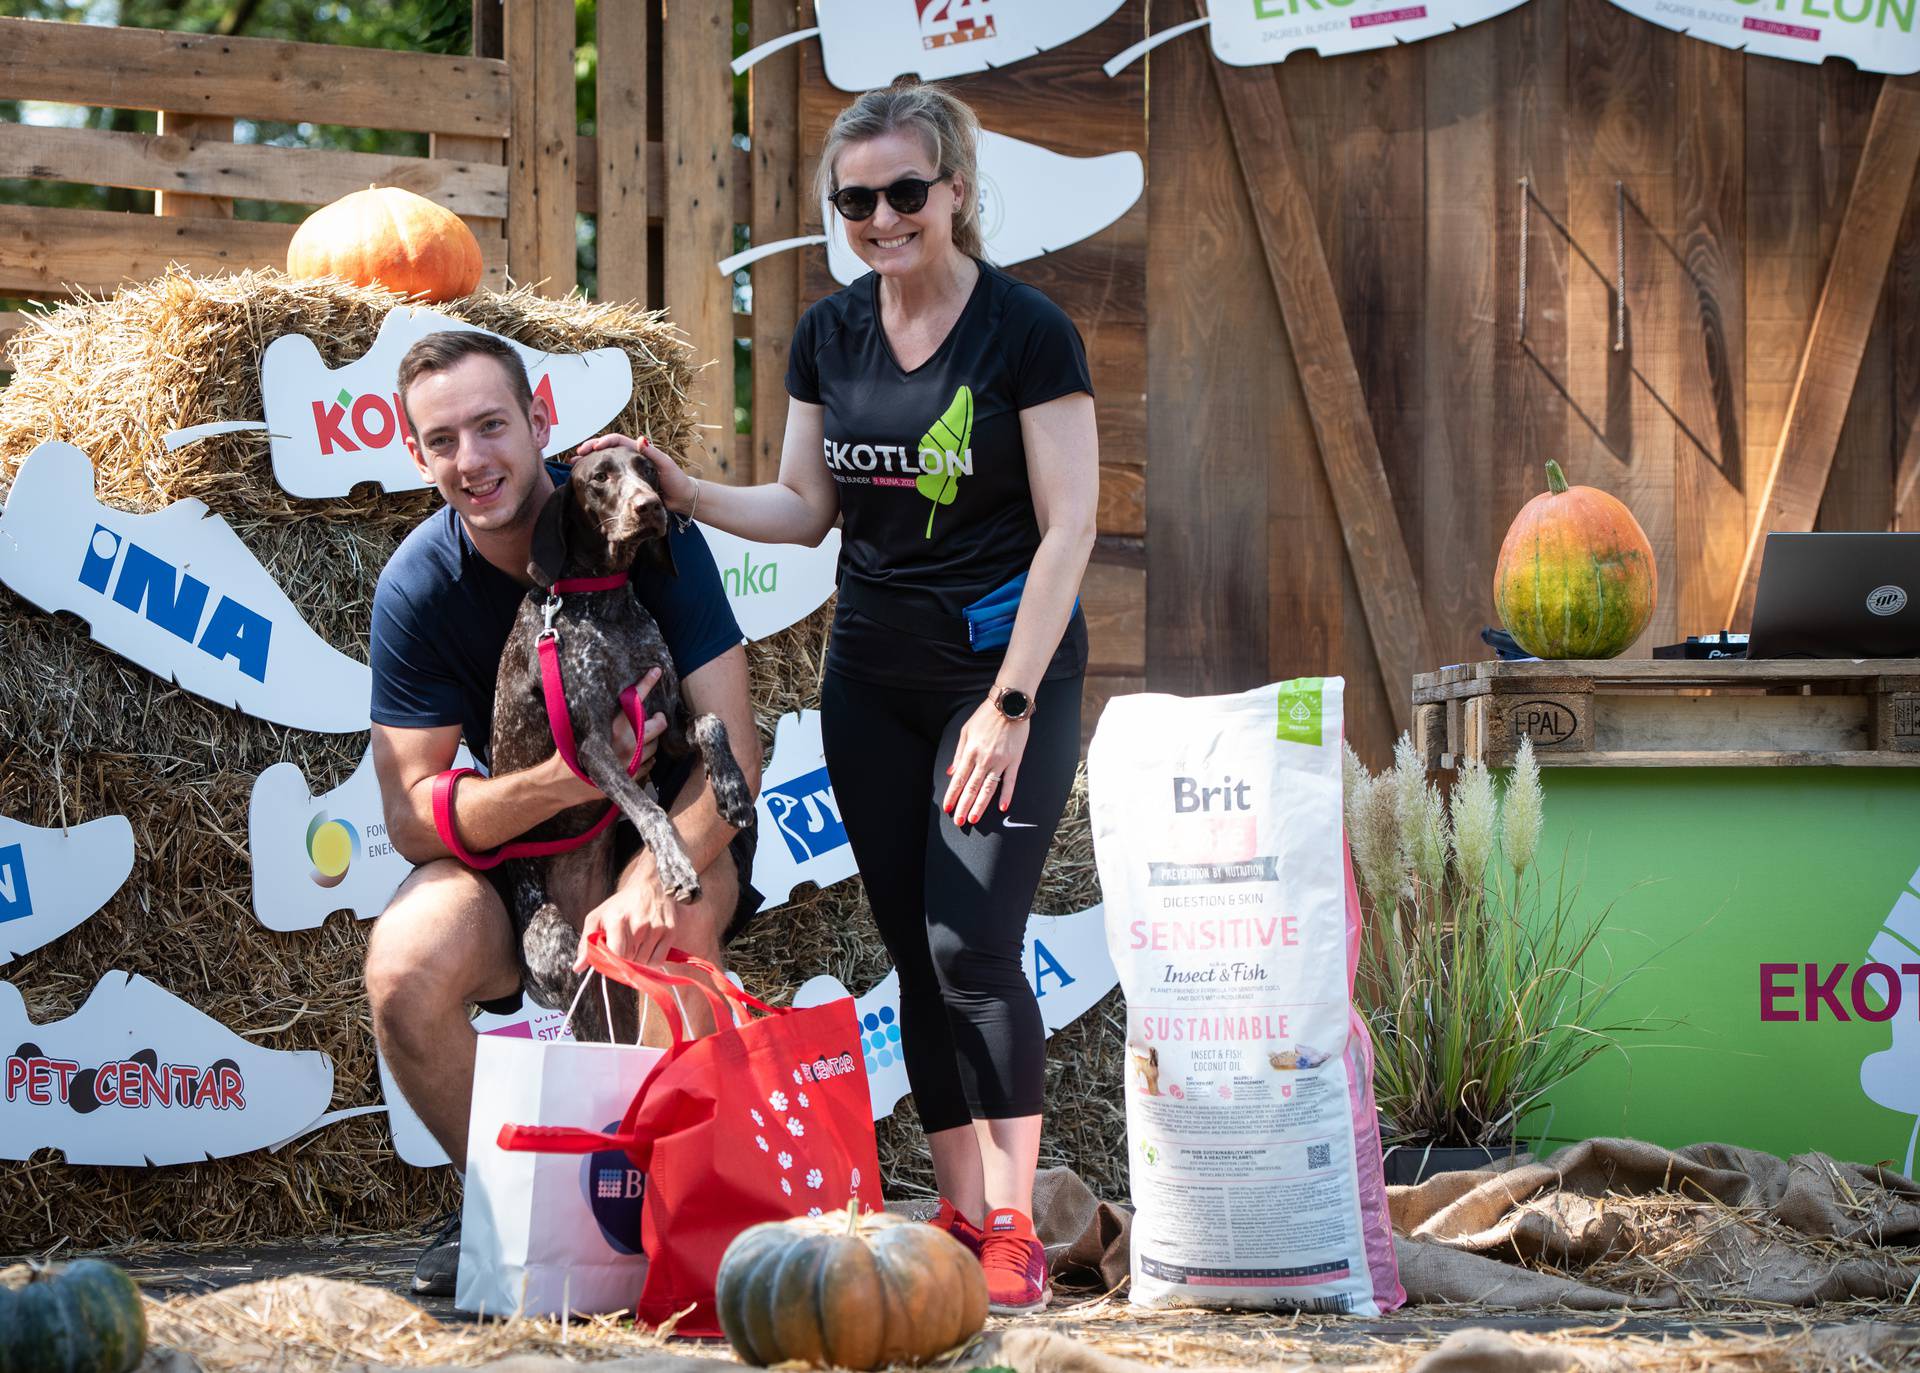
908	196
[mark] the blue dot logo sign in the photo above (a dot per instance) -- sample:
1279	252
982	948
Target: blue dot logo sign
616	1192
880	1038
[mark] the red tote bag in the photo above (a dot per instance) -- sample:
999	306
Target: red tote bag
766	1119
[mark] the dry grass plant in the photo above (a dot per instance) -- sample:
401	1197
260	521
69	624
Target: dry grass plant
84	733
1478	973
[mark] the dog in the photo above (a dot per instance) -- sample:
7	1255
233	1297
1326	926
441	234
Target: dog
607	519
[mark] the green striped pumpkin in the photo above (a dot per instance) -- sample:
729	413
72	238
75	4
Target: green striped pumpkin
1576	577
81	1317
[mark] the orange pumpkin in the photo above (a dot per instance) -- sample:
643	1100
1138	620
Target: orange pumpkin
384	236
848	1291
1576	577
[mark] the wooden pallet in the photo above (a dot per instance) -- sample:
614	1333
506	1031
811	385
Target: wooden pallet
1642	713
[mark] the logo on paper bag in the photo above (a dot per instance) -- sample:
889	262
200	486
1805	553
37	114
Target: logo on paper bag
944	23
615	1192
1300	712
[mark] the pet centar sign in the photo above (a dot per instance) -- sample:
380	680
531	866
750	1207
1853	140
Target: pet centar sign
175	591
1253	33
136	1076
1874	35
866	43
1778	979
52	879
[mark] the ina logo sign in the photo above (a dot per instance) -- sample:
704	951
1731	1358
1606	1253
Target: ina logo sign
175	591
797	803
52	879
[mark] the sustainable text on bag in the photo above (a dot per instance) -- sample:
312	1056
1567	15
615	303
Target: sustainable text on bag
1253	1146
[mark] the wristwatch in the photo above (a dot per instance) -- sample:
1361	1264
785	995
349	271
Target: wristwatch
1012	702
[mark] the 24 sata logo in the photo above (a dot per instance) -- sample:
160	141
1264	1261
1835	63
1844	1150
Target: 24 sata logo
943	23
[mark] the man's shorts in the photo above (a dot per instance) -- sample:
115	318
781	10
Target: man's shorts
669	779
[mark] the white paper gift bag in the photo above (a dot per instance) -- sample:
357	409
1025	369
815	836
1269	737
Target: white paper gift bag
543	1233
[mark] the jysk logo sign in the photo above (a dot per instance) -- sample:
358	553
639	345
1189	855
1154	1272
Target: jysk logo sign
149	585
807	815
943	23
16	901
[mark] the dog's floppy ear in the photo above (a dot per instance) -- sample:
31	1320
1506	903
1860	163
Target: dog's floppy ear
549	554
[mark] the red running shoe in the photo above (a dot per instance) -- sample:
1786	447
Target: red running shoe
954	1223
1015	1263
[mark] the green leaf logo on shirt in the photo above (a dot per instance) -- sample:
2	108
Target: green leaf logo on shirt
949	438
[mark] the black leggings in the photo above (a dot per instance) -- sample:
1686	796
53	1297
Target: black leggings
952	901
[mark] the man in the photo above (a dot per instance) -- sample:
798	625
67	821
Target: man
444	606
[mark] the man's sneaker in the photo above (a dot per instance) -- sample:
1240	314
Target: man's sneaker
1015	1263
434	1275
954	1223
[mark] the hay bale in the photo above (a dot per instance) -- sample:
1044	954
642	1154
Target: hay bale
84	733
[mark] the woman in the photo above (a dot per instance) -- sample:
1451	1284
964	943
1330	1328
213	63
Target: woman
943	412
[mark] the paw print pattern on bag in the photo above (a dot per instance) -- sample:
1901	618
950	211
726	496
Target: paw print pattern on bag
815	1178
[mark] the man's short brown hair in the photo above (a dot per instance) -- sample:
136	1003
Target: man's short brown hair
438	352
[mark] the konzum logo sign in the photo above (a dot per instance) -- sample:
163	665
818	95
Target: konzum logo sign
334	428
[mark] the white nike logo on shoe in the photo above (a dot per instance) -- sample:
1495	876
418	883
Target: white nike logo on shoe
1016	825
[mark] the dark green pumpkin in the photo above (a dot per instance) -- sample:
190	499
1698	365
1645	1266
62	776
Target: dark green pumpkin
81	1317
841	1291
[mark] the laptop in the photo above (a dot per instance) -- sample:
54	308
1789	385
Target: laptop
1838	596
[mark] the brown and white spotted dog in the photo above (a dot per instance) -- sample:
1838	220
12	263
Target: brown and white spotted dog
605	519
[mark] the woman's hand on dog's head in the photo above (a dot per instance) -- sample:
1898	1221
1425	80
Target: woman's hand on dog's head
674	485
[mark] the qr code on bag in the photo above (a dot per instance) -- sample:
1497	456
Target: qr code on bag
1320	1155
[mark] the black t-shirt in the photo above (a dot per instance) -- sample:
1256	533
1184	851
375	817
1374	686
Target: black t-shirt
442	614
931	470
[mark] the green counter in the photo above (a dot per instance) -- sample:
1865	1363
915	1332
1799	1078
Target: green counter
1715	874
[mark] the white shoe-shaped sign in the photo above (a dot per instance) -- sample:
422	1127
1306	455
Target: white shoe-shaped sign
1033	201
1891	1077
313	856
176	592
333	429
411	1139
138	1077
773	585
1066	960
1253	33
51	879
801	837
1874	35
867	43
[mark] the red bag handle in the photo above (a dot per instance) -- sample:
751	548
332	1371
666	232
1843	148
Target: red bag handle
733	993
561	1139
648	980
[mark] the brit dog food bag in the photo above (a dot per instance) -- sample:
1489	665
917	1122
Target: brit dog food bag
1253	1145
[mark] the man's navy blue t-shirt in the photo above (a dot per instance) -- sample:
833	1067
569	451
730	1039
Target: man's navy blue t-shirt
442	614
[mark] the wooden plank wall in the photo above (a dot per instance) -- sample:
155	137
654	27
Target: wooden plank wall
1733	172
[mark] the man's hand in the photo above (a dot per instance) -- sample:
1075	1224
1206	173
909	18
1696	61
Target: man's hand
638	920
579	793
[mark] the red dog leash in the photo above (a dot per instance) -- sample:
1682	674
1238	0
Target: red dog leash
561	723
